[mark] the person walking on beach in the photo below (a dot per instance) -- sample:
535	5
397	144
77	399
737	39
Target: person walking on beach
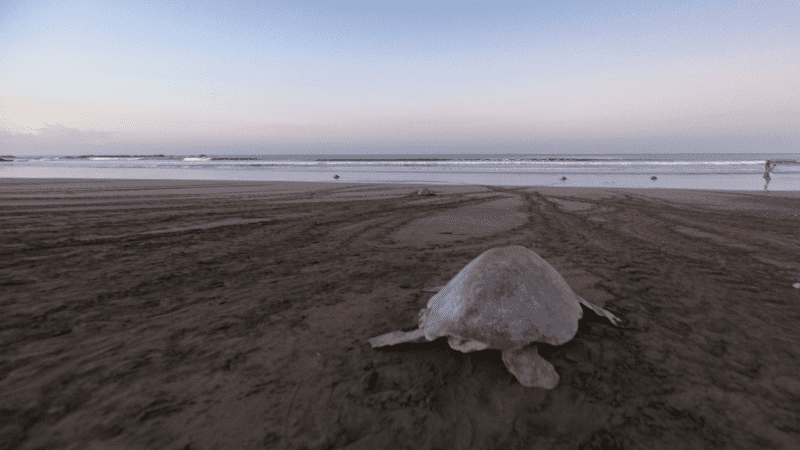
768	166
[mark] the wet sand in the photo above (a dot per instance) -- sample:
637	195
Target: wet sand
216	315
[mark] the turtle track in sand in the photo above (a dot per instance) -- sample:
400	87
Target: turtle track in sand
691	347
625	387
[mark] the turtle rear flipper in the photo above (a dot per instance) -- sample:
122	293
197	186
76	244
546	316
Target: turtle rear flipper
531	369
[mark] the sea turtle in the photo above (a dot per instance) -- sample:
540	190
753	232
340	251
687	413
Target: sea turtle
425	192
336	177
506	299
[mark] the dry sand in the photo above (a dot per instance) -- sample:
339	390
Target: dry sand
223	315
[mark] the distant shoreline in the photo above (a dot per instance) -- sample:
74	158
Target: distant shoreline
115	156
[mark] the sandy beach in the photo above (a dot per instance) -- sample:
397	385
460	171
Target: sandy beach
235	315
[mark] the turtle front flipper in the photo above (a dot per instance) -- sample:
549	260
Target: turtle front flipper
531	369
601	312
398	337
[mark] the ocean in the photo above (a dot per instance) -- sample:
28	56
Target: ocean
737	171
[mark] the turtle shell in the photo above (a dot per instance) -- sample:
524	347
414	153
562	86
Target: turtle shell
506	298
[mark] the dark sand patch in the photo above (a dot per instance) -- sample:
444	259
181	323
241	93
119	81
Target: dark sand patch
483	219
254	336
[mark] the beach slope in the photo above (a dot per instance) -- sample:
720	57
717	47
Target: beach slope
216	315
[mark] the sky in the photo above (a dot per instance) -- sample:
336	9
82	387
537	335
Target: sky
390	76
